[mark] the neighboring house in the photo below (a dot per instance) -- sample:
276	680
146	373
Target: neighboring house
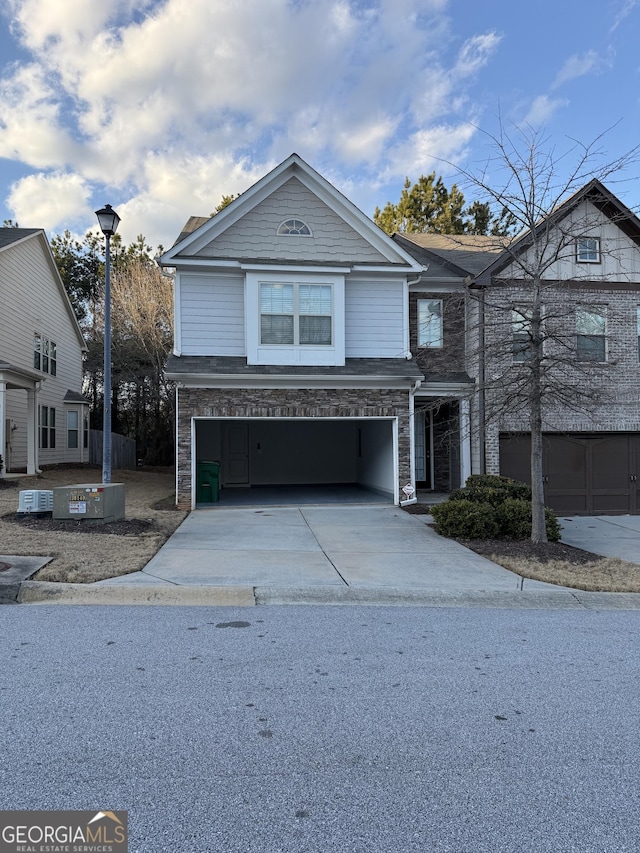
43	415
292	353
591	304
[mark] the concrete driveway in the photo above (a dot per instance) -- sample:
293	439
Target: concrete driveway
607	535
319	546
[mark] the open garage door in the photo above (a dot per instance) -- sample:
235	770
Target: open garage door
584	474
300	452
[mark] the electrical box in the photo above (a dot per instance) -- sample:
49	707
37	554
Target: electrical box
89	502
35	500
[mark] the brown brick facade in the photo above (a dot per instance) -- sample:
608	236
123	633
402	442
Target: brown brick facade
287	403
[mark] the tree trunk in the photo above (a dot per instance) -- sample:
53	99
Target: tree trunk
538	520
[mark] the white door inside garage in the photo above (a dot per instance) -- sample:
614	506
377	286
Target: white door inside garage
288	451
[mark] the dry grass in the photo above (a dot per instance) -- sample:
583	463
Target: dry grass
603	574
80	556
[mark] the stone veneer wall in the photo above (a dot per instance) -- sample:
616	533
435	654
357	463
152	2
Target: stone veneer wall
287	403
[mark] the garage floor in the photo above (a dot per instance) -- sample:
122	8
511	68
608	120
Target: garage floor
298	496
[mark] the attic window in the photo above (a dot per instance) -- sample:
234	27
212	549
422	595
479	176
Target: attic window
588	250
294	228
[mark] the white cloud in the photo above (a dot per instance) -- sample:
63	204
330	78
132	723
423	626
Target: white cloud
542	109
166	105
44	201
578	66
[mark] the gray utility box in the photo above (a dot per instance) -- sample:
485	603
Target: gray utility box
89	502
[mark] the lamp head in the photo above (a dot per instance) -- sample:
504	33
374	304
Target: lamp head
108	220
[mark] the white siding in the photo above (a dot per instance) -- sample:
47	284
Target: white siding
375	319
254	236
620	259
212	315
31	301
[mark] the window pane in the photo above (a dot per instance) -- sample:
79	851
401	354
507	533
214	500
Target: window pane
588	249
37	348
315	330
276	329
590	321
429	322
315	299
591	348
276	299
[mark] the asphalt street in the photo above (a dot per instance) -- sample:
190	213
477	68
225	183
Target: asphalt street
328	728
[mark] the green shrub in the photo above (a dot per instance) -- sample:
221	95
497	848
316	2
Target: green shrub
491	489
472	519
461	519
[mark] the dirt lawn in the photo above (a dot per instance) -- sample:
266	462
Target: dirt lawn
85	553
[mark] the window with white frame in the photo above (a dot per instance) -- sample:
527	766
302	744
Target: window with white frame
591	330
521	333
73	430
588	250
294	228
430	323
45	355
47	427
296	314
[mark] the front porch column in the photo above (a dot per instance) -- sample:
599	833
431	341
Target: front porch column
465	441
32	431
3	437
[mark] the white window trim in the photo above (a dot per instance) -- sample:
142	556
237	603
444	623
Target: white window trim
440	344
581	260
284	222
307	354
604	314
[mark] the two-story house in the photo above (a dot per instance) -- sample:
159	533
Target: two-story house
588	253
292	348
43	415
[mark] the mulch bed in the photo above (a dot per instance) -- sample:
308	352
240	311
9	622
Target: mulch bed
124	527
544	552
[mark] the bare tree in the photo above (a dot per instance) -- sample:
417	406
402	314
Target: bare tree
523	350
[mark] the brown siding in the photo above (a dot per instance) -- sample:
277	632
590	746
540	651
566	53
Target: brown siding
450	357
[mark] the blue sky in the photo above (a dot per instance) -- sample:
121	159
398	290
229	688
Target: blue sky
159	107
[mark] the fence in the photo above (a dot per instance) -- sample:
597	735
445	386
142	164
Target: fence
123	450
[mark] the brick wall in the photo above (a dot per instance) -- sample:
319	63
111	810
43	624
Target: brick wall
450	358
287	403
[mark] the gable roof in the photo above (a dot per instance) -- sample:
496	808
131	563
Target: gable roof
460	254
200	231
594	192
11	237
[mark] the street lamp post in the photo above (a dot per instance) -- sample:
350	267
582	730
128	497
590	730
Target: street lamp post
108	219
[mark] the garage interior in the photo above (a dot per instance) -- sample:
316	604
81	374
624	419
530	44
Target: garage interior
298	460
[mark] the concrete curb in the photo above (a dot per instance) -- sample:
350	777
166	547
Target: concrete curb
40	592
35	592
390	596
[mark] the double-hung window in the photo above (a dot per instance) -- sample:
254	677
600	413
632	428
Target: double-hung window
296	314
73	429
47	418
430	323
45	356
591	329
521	333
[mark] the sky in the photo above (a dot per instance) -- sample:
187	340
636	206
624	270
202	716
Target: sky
161	107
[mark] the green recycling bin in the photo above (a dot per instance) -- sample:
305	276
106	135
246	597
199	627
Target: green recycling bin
207	482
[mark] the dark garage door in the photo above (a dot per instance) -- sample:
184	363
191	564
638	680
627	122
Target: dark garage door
584	474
